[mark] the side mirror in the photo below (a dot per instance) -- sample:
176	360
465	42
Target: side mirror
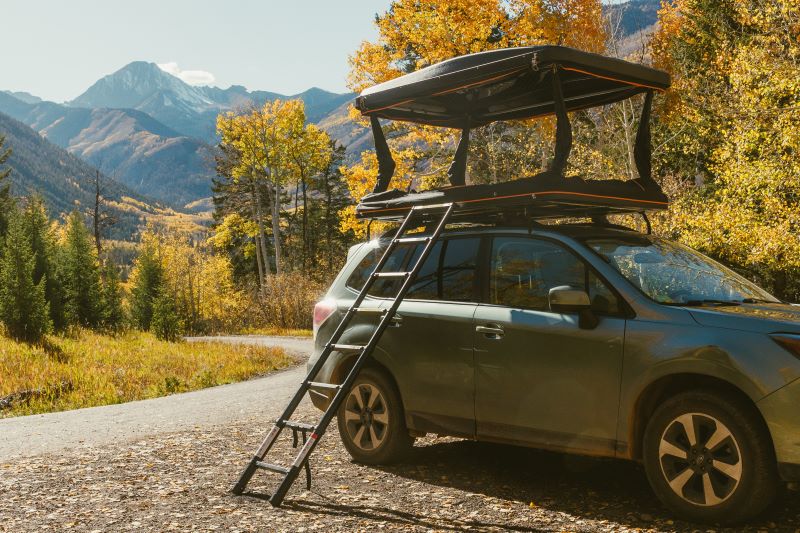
566	299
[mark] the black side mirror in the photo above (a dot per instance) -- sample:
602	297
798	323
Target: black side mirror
566	299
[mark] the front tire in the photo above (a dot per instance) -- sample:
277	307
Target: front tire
371	420
709	458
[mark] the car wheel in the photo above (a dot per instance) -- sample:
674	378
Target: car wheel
709	458
371	420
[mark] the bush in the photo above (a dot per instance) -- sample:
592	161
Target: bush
286	303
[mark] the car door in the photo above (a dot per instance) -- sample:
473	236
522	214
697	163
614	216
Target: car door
431	345
540	378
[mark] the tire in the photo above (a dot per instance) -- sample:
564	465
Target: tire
371	420
730	481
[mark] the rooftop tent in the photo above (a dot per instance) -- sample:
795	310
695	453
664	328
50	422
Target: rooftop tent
515	83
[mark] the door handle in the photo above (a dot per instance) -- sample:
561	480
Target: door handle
396	321
491	331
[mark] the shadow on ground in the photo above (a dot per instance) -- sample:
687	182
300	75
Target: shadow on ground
597	491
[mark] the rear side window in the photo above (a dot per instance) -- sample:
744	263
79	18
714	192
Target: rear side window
449	272
382	288
524	270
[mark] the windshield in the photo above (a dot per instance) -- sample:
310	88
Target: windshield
670	273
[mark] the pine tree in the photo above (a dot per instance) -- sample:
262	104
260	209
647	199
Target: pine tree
23	307
81	276
6	201
166	323
43	246
148	277
113	313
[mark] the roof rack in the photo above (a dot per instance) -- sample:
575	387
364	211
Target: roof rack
514	83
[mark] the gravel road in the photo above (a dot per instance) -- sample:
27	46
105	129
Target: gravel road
174	475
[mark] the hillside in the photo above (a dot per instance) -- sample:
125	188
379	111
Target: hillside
126	144
67	183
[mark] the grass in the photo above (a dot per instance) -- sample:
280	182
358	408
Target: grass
278	331
89	369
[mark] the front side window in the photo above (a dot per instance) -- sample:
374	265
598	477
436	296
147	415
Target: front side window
523	271
671	273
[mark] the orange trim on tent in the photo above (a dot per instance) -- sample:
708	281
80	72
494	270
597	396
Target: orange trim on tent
659	89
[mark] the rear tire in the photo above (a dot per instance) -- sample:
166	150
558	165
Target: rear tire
371	420
709	458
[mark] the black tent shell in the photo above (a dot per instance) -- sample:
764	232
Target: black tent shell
507	84
511	84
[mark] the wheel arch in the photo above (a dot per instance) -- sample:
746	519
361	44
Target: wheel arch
664	387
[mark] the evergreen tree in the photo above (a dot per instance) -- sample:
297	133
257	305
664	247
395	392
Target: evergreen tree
166	323
6	201
113	313
43	246
148	277
23	307
81	276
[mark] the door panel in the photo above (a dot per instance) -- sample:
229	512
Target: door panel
540	379
431	349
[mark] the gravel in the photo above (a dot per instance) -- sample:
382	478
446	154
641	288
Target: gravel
179	481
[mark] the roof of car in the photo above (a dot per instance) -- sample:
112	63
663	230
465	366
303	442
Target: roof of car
507	84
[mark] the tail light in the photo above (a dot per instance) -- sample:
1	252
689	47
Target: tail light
322	311
789	341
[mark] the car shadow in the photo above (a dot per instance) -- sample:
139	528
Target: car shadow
591	488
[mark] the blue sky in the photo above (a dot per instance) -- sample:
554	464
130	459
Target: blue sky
56	49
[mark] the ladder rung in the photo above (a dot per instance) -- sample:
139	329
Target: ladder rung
369	310
347	347
272	468
302	426
405	240
320	385
434	207
390	274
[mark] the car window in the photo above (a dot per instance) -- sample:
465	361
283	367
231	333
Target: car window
382	288
523	270
449	272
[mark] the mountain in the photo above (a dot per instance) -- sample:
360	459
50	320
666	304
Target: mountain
187	109
634	16
64	181
126	144
23	96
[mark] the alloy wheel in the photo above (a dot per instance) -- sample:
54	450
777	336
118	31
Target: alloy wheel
366	416
700	459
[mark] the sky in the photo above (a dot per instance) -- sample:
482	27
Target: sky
56	49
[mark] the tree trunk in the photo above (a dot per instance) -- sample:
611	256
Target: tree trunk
276	224
261	255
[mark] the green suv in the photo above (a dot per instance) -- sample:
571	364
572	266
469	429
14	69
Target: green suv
586	339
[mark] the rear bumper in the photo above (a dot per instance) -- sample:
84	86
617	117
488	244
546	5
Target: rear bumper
781	411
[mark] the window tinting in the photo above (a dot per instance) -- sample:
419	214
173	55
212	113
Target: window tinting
524	270
382	288
449	272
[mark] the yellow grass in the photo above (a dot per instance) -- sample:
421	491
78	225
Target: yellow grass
90	369
278	331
